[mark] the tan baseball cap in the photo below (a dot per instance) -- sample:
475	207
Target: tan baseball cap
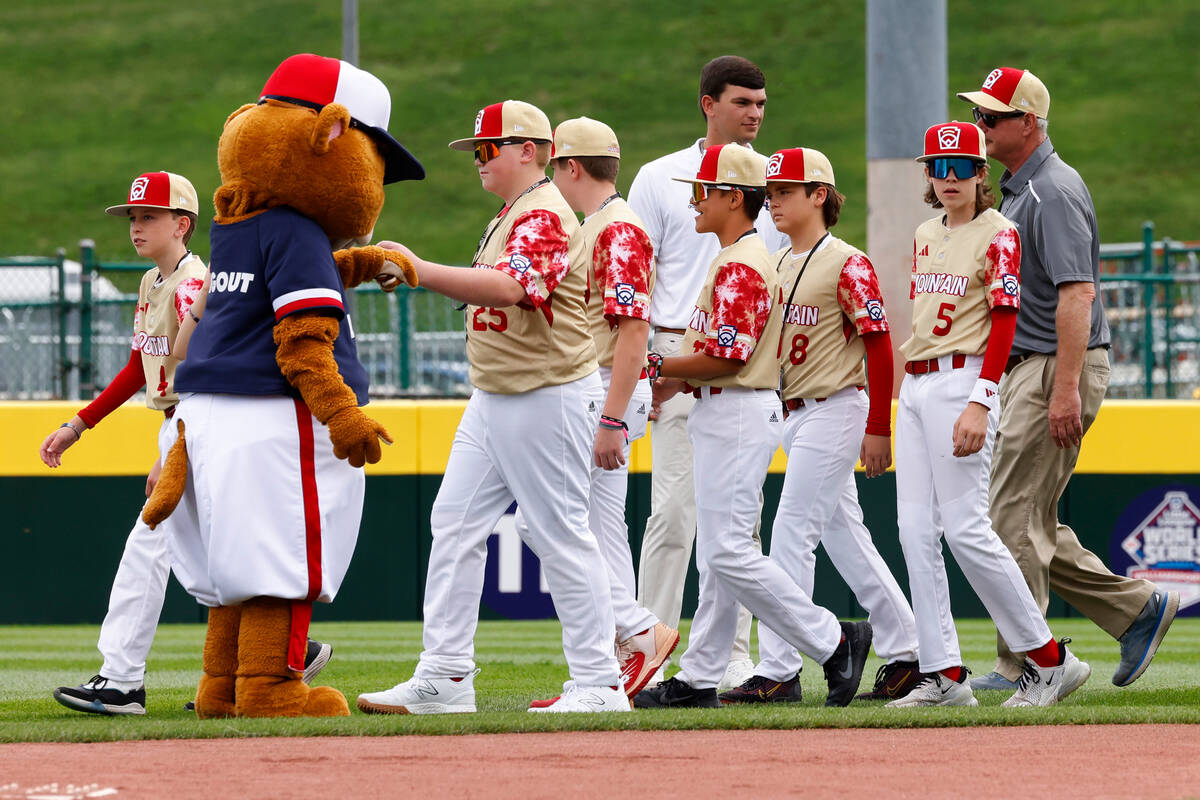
159	190
512	119
1007	89
585	137
799	165
732	165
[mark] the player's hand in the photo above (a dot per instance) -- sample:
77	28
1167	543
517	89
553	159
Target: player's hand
608	450
152	478
356	436
876	454
54	445
1066	427
663	389
656	410
970	430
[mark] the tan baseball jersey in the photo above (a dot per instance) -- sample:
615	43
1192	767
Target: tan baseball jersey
544	340
836	300
735	318
621	272
162	302
958	276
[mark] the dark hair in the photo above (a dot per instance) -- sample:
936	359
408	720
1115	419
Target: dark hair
187	237
984	198
601	168
753	198
831	209
725	70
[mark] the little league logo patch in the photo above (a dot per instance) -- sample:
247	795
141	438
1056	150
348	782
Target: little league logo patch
948	137
1157	538
520	263
726	335
479	122
875	310
775	165
625	294
138	190
1011	285
991	79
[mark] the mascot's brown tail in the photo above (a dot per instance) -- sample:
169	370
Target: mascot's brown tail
170	484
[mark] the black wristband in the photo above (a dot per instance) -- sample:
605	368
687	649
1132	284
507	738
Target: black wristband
612	422
74	430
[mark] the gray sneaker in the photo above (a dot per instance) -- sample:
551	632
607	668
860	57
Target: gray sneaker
1140	642
993	680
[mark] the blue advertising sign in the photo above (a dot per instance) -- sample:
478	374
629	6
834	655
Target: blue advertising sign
513	585
1157	537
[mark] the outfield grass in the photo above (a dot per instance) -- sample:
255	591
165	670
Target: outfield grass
522	661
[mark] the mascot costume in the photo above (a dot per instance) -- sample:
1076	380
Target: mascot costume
265	472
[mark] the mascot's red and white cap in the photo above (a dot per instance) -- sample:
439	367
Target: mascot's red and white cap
799	165
954	140
317	81
159	190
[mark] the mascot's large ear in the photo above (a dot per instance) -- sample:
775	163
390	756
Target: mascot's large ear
241	110
332	122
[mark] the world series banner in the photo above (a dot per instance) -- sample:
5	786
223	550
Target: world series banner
1157	537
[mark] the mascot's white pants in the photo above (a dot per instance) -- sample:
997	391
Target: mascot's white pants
268	509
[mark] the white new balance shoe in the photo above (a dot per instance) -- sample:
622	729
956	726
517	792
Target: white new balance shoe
937	690
586	699
1045	686
423	696
737	673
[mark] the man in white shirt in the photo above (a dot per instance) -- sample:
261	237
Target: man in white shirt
733	99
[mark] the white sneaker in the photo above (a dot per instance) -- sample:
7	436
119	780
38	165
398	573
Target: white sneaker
423	696
737	673
1045	686
588	699
937	690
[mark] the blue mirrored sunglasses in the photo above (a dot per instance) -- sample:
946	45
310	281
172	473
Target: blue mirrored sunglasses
962	168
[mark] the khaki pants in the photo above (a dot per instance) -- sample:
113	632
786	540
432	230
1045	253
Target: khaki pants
1029	475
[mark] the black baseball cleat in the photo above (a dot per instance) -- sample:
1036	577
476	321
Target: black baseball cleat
674	693
758	689
94	698
315	659
844	669
894	680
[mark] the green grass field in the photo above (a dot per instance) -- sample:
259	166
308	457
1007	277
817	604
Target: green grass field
522	661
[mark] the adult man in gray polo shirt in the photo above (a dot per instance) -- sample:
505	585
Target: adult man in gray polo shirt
1055	381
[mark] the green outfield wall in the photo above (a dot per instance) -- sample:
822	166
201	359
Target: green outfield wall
1133	501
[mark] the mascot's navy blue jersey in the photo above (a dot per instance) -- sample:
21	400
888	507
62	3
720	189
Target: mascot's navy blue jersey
263	269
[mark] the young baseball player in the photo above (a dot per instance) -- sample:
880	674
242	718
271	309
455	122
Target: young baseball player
832	316
965	291
161	209
731	368
527	432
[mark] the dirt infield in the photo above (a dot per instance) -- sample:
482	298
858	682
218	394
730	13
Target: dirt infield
1147	761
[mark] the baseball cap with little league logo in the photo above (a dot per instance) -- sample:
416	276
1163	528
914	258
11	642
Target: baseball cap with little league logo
512	119
316	81
1006	89
954	140
159	190
799	165
585	137
732	165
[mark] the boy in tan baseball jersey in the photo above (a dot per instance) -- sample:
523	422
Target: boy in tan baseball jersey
833	316
526	434
966	291
731	368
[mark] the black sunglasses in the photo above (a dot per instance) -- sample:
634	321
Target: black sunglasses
989	119
487	149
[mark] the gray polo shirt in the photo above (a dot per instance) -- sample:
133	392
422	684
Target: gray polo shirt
1060	243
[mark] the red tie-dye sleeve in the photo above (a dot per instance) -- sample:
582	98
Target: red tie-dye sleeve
1002	275
536	254
859	295
912	281
622	260
185	295
741	305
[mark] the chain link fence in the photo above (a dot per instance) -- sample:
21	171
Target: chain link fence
65	326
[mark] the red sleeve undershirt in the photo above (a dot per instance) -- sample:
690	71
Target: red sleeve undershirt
124	386
999	344
880	376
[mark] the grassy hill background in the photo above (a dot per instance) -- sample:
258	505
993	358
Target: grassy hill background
97	92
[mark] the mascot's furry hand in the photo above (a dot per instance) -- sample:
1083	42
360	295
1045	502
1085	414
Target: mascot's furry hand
304	352
360	264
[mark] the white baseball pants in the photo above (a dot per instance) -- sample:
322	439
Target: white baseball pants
534	448
268	510
734	435
938	493
819	504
